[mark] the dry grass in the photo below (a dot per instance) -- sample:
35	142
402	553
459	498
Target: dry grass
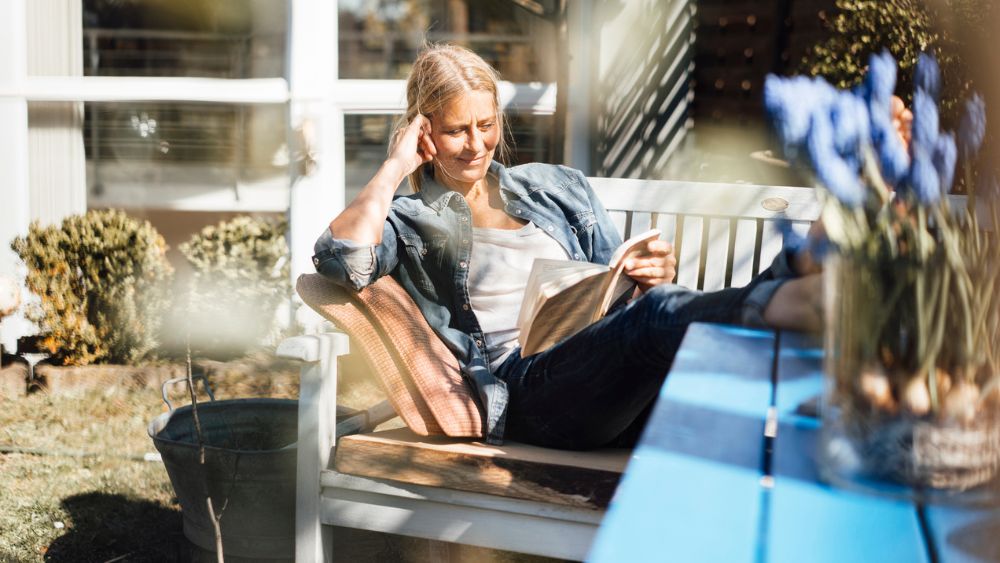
89	499
83	508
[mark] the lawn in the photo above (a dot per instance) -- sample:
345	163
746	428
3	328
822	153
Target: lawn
87	494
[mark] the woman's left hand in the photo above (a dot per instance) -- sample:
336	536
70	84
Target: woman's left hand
656	266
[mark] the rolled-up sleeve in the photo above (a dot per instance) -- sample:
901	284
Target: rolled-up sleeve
765	285
353	264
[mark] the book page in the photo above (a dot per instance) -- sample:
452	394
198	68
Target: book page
562	315
547	278
563	297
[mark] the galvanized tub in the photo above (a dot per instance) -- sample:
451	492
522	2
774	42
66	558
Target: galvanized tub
249	472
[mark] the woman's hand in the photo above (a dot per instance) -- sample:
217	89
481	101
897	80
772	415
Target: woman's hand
412	145
363	220
656	266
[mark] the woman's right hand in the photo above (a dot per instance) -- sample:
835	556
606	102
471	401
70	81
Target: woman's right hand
412	145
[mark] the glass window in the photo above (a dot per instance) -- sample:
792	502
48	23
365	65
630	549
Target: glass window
182	166
186	155
366	141
380	39
218	39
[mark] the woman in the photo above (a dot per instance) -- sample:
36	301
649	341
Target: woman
462	246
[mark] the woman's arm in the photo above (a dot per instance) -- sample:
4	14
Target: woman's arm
363	220
359	245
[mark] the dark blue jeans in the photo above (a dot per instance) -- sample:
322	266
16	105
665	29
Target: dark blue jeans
597	387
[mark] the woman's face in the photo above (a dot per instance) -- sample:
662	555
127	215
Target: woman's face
465	132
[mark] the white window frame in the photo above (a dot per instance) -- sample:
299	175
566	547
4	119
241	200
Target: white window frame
313	93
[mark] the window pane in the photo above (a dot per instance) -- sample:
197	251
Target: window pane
217	39
186	155
181	166
381	39
366	143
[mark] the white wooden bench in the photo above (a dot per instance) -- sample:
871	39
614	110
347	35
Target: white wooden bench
513	497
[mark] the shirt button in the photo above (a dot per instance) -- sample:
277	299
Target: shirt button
464	219
465	306
479	343
462	264
576	256
550	228
465	241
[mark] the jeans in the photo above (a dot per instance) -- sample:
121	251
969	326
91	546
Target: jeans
597	387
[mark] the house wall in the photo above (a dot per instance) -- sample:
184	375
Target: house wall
644	59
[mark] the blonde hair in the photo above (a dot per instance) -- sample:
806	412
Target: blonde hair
441	74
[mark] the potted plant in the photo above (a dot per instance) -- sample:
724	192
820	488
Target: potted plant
913	323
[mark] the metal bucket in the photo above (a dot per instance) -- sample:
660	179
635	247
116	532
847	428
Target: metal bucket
249	472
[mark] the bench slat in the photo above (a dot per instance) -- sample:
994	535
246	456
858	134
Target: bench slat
701	198
578	479
688	250
743	252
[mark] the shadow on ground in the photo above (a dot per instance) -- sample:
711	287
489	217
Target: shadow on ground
102	527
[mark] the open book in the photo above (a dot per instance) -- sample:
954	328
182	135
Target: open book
564	296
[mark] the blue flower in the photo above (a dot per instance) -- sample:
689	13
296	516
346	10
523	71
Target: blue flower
927	76
791	103
880	82
972	129
838	175
925	121
893	158
815	243
945	155
923	181
849	115
791	239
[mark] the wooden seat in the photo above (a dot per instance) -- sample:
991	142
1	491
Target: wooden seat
575	479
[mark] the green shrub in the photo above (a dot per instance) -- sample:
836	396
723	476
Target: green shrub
906	28
240	277
102	280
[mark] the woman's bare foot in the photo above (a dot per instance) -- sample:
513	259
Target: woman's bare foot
797	305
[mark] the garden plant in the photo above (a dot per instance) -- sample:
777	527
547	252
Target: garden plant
102	279
913	329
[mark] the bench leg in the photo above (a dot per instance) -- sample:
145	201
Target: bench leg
316	437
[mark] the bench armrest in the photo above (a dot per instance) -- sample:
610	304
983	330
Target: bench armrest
310	348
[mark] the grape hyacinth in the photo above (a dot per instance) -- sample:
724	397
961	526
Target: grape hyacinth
920	277
927	76
972	129
833	132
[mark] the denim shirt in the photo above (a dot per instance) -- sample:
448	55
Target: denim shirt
427	242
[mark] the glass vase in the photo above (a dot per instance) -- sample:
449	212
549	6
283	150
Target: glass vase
891	425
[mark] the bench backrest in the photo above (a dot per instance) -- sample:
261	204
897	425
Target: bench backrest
723	234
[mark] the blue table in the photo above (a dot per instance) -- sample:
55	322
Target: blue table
726	471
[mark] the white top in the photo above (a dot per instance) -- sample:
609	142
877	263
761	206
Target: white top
498	274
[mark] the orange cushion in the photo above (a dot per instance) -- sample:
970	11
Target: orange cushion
419	374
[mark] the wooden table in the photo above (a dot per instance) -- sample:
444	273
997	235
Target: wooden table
726	471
